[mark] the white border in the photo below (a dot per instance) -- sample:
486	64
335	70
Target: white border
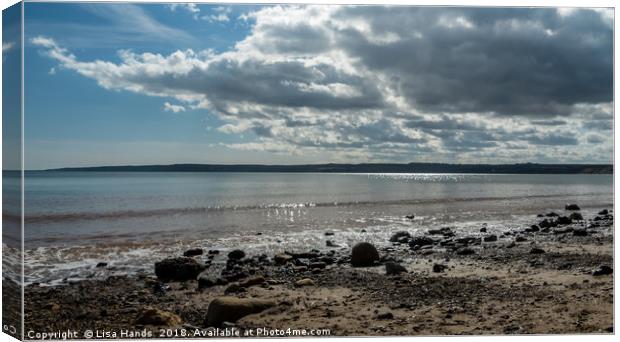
476	3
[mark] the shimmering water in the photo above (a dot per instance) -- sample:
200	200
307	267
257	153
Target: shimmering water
74	219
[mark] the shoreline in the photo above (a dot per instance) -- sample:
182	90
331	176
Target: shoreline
524	281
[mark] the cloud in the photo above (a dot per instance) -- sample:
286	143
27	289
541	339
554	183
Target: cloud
190	7
168	107
114	26
220	14
7	46
387	83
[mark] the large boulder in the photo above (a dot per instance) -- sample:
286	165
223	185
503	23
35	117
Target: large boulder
178	269
399	235
572	207
364	254
231	309
236	254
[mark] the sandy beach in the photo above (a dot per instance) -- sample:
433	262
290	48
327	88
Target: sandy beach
532	280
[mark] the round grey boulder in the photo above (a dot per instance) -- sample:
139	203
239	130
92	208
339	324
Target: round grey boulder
364	254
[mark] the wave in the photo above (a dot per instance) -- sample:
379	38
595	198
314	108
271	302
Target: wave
127	214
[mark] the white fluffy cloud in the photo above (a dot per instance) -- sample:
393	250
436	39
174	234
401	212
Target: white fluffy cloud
168	107
394	83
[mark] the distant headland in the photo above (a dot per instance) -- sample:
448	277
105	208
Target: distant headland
525	168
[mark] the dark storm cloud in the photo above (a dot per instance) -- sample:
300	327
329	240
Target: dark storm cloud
506	61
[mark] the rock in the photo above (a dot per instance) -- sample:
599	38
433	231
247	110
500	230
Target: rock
385	315
236	275
571	207
236	254
234	288
205	281
160	288
300	268
552	214
213	252
580	232
537	251
465	251
544	224
532	229
403	239
421	241
441	231
576	217
101	264
490	238
467	240
364	254
329	243
520	239
252	281
483	229
281	259
603	270
152	316
231	309
392	268
329	233
193	252
439	268
318	264
563	220
305	282
178	269
410	217
398	235
603	212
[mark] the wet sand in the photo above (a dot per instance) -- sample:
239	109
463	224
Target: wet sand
525	282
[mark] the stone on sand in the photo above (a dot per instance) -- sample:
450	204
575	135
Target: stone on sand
231	309
603	270
236	254
281	259
576	217
364	254
153	316
178	269
439	268
193	252
392	268
304	282
398	235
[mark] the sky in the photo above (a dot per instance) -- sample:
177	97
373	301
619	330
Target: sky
118	84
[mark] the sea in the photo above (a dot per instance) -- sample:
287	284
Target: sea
129	220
